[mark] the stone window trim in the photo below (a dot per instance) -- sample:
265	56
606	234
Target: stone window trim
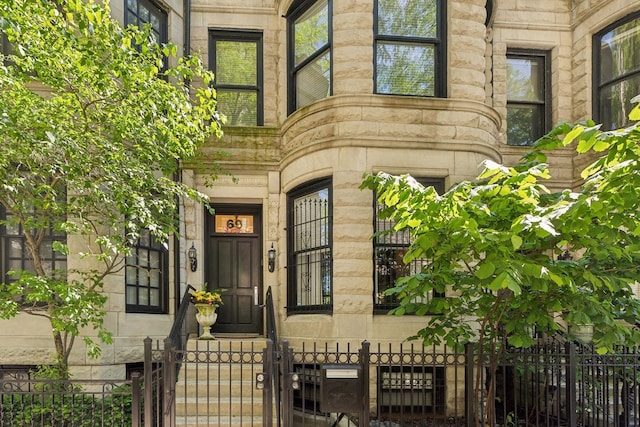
543	104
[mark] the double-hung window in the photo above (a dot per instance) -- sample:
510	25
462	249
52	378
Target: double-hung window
236	59
410	51
616	71
528	96
309	52
146	275
389	247
309	237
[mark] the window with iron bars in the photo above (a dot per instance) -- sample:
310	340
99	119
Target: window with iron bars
388	251
310	262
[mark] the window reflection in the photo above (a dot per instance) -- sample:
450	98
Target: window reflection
309	27
618	72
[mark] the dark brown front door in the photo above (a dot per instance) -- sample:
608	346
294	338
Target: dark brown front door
234	267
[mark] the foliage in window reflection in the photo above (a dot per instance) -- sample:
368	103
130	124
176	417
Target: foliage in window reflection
619	68
407	33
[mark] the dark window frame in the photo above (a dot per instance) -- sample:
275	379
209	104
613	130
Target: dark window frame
242	36
160	13
439	43
296	10
597	85
326	263
56	262
163	256
546	104
380	267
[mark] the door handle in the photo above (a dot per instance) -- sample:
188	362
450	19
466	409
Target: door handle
256	300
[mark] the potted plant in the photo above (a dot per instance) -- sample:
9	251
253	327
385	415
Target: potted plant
206	303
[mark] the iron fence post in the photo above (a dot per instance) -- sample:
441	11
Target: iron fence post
571	398
364	363
147	383
469	390
168	373
287	396
267	391
135	399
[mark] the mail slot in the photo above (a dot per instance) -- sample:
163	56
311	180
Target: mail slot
341	388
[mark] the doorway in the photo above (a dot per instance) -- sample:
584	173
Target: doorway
234	267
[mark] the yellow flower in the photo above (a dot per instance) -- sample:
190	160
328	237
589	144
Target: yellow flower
206	297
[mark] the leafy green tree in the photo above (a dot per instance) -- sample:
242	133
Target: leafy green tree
497	246
93	129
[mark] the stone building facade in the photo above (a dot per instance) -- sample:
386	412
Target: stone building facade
323	104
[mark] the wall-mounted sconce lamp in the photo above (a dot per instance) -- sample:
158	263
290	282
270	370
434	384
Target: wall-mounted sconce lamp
193	257
565	256
271	256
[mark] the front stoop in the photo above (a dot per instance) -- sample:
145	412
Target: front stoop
216	383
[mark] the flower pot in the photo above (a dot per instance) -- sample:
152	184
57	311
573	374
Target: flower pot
582	333
206	316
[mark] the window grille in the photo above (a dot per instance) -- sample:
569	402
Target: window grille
389	248
311	263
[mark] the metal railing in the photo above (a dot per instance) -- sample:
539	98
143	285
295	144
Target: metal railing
179	333
70	403
274	358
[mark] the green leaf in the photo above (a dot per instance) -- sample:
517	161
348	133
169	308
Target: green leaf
485	270
572	135
634	115
500	282
516	242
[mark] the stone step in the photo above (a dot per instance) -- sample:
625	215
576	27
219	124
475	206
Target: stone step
216	383
192	371
234	407
215	388
256	344
221	421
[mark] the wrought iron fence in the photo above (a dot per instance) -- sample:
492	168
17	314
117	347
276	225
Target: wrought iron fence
57	403
231	382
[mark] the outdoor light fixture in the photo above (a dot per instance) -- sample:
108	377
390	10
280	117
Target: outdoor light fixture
565	256
271	255
193	257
